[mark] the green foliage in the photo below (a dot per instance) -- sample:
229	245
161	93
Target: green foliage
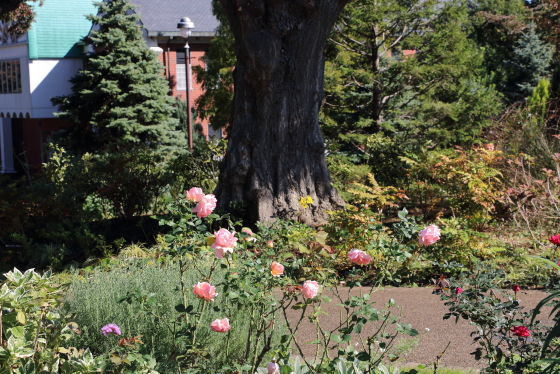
344	172
495	27
495	312
529	63
120	100
375	196
434	93
538	101
460	182
217	76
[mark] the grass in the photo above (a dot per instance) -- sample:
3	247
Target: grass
93	298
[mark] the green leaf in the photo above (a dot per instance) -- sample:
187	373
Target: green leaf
363	356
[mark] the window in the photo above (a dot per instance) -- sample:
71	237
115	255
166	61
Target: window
181	71
10	76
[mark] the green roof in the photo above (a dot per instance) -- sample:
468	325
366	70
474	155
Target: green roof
58	27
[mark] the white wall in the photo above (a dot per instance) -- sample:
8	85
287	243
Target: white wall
49	78
20	102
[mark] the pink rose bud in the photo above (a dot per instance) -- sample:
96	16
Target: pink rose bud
248	231
429	235
195	194
220	325
225	242
276	269
205	291
554	239
359	257
310	289
270	243
458	290
273	368
521	331
205	206
516	288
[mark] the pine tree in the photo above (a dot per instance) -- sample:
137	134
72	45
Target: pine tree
120	100
530	62
434	93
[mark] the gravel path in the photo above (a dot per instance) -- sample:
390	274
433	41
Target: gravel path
423	310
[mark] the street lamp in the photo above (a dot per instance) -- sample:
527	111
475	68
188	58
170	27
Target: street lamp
185	26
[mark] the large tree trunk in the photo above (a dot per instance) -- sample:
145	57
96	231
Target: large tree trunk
276	154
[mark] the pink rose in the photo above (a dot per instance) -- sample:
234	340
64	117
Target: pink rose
516	288
248	231
276	269
205	206
310	289
225	242
195	194
458	290
273	368
205	291
429	235
521	331
220	325
359	257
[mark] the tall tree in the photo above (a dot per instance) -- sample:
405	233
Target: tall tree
217	75
276	154
405	68
120	100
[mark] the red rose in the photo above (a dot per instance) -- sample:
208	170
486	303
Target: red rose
516	288
554	239
521	331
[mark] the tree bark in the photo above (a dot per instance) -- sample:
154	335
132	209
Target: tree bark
276	154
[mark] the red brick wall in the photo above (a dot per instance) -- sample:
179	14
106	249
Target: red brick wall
169	58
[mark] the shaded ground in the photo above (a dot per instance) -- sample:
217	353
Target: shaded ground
424	311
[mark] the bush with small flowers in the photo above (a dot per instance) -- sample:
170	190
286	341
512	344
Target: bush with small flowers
505	337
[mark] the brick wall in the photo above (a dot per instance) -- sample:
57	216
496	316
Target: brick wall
169	59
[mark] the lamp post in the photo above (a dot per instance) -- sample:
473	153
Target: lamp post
185	26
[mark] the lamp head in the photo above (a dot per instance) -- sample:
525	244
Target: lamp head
185	26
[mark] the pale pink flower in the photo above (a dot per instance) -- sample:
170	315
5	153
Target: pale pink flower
195	194
205	206
205	291
273	368
276	269
225	242
310	289
429	235
220	325
359	257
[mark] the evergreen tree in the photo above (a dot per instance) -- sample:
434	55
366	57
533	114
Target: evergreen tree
217	76
120	100
434	93
530	62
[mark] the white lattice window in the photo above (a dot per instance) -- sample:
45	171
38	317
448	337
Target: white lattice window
181	77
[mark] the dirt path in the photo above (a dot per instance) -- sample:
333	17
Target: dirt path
423	310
